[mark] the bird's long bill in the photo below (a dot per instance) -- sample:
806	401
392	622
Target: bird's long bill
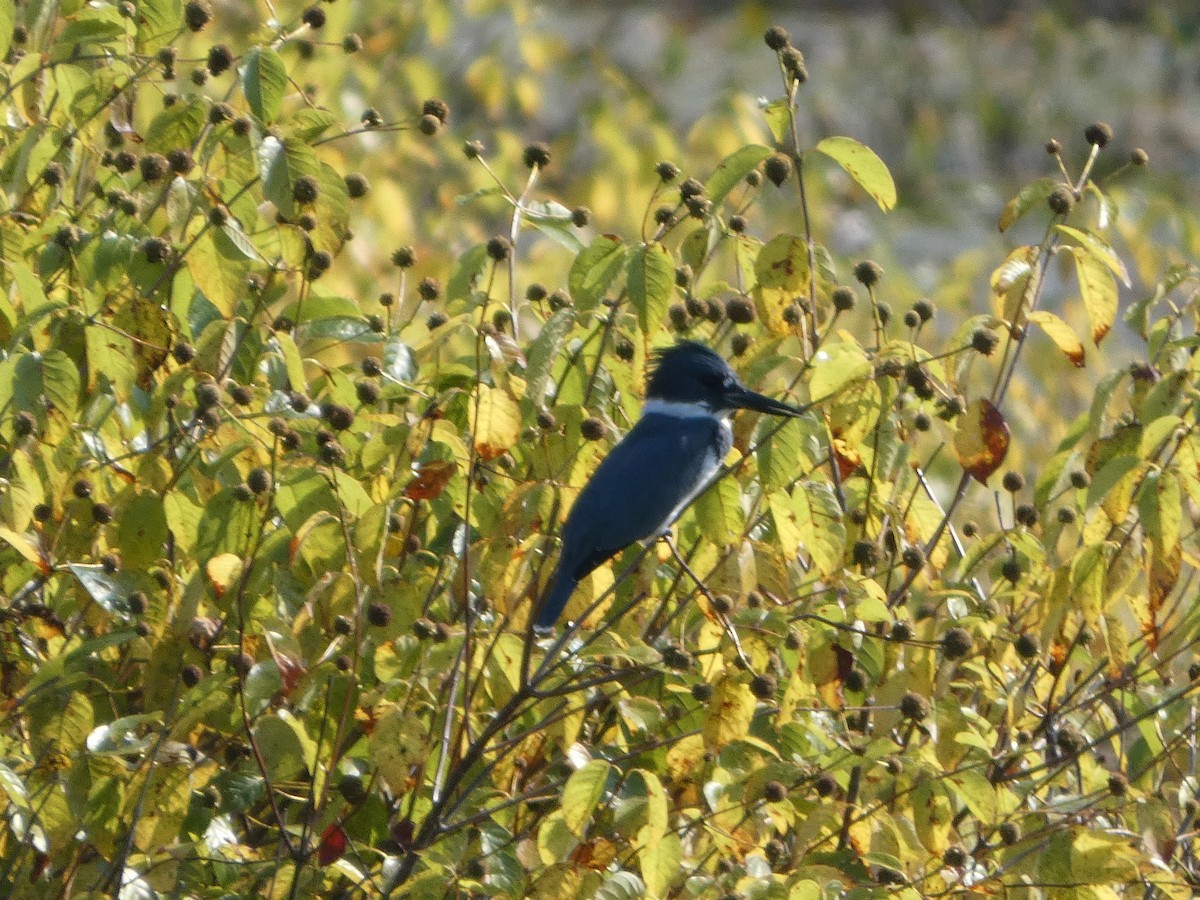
748	399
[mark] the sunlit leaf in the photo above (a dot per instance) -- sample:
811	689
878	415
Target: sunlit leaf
733	170
1061	333
981	441
582	792
1033	194
781	272
864	166
728	714
496	422
595	269
264	80
650	283
1098	290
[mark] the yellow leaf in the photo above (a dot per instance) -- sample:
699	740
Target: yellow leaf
781	270
861	164
496	422
1098	289
1062	334
729	713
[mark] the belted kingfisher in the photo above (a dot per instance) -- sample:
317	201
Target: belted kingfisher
662	465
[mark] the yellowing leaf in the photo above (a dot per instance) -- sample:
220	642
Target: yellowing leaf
1099	248
223	570
1160	504
729	713
660	862
27	547
496	422
1062	334
397	744
582	793
1019	263
1098	290
1028	197
864	166
781	272
981	442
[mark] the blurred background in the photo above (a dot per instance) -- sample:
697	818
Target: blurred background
958	98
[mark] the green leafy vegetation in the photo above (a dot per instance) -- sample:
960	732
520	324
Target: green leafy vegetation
305	351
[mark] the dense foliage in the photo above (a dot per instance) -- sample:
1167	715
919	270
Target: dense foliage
295	393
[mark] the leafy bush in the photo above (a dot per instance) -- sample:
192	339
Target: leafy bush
269	537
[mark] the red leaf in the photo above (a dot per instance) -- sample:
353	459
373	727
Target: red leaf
290	668
333	844
431	479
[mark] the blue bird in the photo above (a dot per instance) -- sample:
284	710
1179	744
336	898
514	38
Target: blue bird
665	461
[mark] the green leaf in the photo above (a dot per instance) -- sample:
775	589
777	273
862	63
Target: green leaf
561	233
280	742
109	590
95	25
719	511
466	271
264	81
582	793
543	353
219	270
838	366
52	377
1033	194
861	164
733	169
176	126
293	362
308	124
818	516
784	457
650	283
7	20
158	22
287	161
778	115
595	269
142	531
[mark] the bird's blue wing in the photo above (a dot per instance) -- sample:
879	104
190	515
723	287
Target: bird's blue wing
632	496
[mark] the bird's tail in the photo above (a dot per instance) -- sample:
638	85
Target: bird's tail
554	601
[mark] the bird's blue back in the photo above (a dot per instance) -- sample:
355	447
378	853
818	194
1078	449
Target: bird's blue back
638	490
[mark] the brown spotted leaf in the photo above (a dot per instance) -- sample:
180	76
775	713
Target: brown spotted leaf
430	480
981	441
496	422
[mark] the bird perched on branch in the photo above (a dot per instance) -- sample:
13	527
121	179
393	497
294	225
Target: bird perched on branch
666	460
